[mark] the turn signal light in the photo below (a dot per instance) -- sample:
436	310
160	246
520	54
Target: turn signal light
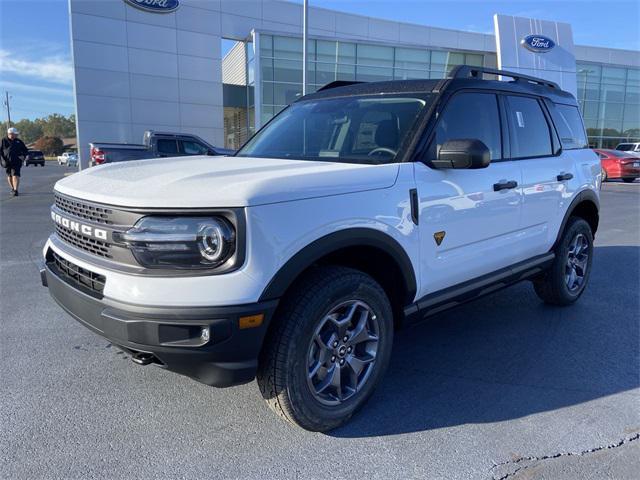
252	321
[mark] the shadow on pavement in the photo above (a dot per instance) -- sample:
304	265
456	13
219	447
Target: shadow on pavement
508	356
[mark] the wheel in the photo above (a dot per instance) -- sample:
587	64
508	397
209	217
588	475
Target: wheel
568	276
604	175
328	349
628	180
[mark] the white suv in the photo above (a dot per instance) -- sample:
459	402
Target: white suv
357	210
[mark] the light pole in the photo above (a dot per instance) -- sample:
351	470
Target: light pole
305	33
6	104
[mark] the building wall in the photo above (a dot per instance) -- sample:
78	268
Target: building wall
136	70
234	65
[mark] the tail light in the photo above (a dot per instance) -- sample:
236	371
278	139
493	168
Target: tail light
97	156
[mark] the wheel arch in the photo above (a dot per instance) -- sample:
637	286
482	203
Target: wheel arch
585	205
356	248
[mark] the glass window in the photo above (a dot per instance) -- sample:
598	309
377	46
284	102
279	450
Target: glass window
189	147
327	51
373	74
612	93
530	136
570	128
167	146
346	72
633	77
346	53
375	55
473	60
590	109
325	73
287	47
412	59
266	45
614	75
287	71
588	72
286	93
456	122
365	130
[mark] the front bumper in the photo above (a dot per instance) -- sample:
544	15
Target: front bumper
171	337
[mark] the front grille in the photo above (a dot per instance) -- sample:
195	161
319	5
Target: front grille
81	278
91	245
87	211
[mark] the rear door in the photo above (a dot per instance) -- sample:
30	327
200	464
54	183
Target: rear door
549	179
468	218
167	147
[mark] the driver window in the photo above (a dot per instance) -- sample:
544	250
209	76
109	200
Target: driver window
470	116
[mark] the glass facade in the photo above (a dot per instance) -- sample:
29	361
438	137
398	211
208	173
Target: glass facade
328	60
608	95
609	98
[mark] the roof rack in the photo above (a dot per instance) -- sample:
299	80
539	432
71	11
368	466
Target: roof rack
336	84
467	71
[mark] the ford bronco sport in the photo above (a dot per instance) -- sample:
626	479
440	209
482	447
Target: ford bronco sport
357	210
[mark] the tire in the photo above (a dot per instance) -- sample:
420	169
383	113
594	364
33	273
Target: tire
628	180
556	286
292	348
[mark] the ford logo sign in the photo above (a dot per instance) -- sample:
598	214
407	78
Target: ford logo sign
537	43
156	6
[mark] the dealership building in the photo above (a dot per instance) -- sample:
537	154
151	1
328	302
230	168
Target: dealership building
159	64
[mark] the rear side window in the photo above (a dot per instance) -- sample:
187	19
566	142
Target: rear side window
190	147
167	146
569	124
470	116
528	127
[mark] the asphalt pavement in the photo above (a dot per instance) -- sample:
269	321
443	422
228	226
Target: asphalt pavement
504	387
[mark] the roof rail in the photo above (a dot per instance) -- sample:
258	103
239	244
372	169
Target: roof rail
336	84
467	71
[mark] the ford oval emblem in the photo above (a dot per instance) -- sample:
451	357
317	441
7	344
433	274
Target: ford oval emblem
155	6
537	43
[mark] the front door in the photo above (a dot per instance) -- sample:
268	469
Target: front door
469	219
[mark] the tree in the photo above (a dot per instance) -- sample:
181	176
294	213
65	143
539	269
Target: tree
54	125
50	146
29	131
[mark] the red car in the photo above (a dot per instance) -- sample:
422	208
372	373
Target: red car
618	164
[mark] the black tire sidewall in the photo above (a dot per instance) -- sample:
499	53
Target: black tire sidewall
307	408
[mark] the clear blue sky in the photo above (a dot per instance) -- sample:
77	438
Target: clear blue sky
35	60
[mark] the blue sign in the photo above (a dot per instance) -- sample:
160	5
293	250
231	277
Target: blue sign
537	43
156	6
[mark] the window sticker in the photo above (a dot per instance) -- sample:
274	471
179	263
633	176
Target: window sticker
520	118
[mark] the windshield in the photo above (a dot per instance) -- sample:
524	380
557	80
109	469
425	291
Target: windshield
350	130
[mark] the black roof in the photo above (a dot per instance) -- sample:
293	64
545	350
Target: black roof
461	77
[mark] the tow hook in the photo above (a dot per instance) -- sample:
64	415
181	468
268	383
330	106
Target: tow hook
142	358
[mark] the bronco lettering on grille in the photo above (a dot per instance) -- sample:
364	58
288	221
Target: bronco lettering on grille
78	227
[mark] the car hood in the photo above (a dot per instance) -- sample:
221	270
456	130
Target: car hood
205	181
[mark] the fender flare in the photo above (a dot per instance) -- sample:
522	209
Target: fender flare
583	196
352	237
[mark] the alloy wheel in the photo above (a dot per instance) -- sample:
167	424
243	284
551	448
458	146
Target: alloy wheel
342	352
577	263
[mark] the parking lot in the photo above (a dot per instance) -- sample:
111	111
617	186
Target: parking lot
505	387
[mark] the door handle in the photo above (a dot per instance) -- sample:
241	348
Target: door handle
504	185
564	176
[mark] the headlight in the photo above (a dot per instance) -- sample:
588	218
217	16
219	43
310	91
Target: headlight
180	242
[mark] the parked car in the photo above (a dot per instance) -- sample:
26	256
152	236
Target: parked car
154	144
34	157
68	158
295	262
633	147
618	164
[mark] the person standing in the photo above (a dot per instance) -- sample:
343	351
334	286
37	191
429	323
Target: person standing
12	154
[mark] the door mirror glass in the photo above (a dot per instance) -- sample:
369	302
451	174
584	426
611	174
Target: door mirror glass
463	153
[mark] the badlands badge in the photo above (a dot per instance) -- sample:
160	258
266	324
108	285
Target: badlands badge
439	236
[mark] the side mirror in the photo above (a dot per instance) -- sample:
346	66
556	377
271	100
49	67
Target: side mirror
463	153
